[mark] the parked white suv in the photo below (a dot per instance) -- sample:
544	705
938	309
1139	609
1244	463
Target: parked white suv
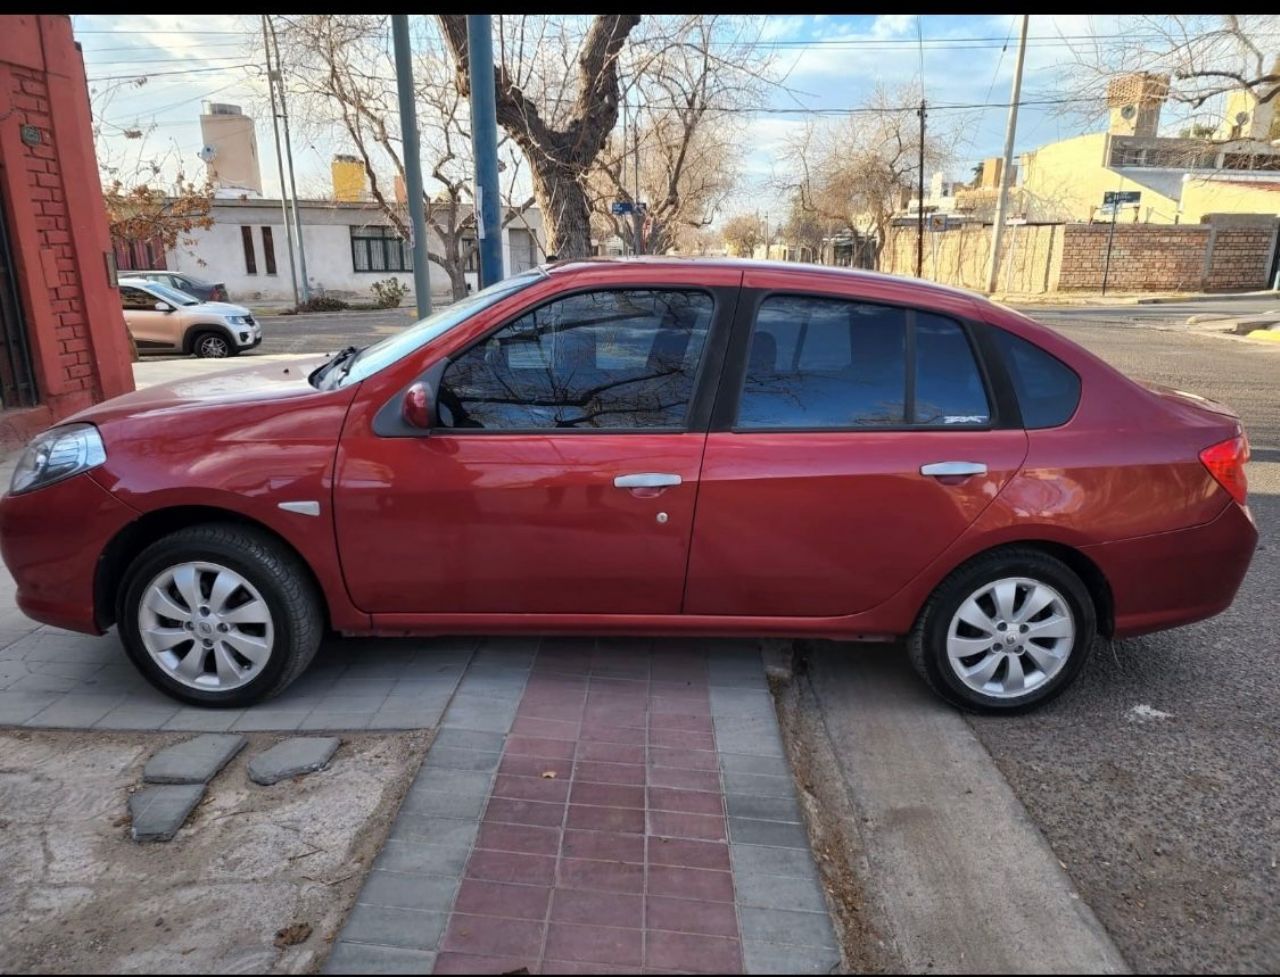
165	320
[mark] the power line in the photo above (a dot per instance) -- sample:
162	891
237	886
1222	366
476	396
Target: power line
160	74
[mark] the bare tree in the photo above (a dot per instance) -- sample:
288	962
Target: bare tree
341	71
855	172
557	96
687	80
742	234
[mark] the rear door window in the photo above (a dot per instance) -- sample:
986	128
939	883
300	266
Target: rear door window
1048	390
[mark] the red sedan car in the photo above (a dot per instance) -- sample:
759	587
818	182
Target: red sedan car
646	447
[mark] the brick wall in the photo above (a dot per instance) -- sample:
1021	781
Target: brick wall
57	224
1144	257
1242	255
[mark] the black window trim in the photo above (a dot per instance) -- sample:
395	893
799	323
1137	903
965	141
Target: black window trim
706	382
999	392
361	234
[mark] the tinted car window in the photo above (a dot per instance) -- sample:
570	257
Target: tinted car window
1047	389
622	359
949	388
136	299
825	363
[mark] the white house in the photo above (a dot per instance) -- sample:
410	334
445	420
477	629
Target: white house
349	246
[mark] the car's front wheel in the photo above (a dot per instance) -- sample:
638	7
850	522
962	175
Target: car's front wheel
1007	631
214	345
219	615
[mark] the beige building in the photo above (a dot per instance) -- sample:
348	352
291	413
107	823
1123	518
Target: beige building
1157	179
230	150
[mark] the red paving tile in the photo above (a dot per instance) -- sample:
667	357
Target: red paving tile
619	861
595	944
701	954
478	897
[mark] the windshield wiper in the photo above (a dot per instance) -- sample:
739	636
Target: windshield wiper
323	371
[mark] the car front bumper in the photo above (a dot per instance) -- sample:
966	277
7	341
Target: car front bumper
51	540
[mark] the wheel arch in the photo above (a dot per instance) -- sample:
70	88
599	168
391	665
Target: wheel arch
125	546
195	331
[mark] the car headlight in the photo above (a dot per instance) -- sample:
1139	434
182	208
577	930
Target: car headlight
237	320
57	454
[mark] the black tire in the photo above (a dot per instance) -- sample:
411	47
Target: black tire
927	643
206	342
279	576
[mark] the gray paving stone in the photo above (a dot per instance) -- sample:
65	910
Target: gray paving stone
398	891
770	766
263	720
458	759
779	834
204	720
369	958
75	710
131	716
420	858
335	720
405	719
787	926
194	761
469	739
158	812
452	780
443	804
778	892
770	958
18	707
385	926
763	807
752	783
760	860
434	830
480	712
292	758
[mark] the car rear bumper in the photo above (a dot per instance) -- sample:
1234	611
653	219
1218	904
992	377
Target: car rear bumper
51	540
1170	579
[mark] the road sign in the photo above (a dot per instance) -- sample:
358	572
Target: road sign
1121	198
621	207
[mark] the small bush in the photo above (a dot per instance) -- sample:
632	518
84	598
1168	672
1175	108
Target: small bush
388	293
321	303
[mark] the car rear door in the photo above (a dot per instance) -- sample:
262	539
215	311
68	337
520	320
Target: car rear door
561	474
853	439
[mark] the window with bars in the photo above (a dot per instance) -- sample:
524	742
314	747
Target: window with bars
269	250
250	260
379	248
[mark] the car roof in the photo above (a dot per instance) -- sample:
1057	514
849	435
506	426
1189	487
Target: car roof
851	275
169	271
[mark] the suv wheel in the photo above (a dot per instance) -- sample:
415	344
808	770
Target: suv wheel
219	615
1005	632
213	345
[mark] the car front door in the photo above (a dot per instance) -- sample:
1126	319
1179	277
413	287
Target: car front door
561	471
851	443
150	329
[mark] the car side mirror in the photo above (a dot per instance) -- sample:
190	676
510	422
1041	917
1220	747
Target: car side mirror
415	408
163	307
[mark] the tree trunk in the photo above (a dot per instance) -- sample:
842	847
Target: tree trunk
566	212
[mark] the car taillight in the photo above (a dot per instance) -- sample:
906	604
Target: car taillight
1225	461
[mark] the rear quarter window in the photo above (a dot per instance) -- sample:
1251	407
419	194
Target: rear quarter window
1048	390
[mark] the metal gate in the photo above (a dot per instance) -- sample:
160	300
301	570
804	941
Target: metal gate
17	379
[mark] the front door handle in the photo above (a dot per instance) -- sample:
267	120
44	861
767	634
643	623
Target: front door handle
944	469
646	480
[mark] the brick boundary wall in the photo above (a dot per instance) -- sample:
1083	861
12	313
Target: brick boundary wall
1144	257
57	226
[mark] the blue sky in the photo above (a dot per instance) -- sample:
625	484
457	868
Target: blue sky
829	61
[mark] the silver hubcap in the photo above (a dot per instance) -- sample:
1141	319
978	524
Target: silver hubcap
206	626
214	347
1010	637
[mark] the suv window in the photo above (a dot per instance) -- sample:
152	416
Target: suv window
624	359
1048	390
833	364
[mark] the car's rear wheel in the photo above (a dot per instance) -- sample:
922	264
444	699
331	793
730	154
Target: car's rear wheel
213	345
1005	632
219	615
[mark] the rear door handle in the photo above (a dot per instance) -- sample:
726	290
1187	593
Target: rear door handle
943	469
648	480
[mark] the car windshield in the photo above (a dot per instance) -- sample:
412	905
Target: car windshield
171	295
373	358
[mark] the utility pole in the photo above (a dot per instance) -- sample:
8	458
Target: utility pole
412	163
1002	201
484	142
303	286
920	199
637	218
275	126
1111	234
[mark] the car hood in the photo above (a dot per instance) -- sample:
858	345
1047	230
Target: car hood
226	388
217	308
